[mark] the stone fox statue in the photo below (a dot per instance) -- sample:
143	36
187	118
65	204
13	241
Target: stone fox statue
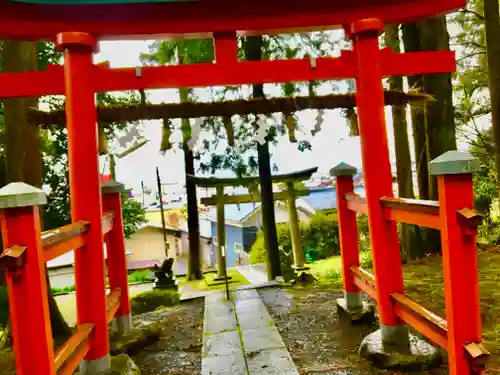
165	272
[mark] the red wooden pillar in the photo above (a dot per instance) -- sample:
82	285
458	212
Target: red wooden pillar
85	193
115	246
460	270
24	261
378	176
348	231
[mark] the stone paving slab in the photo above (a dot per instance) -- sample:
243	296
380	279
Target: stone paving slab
255	320
219	309
241	295
222	344
224	365
214	325
250	306
240	338
261	338
271	362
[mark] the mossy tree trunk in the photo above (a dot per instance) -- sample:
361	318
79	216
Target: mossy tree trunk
194	256
22	147
253	52
411	245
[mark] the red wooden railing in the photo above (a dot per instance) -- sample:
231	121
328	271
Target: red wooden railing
454	216
26	252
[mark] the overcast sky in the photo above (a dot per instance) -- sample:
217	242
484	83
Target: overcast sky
330	146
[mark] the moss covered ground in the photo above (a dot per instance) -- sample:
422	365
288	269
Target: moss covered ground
424	284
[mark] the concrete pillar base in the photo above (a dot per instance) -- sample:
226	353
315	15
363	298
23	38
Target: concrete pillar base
101	366
353	306
221	278
123	324
400	351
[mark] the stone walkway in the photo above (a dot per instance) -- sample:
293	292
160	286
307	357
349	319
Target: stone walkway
256	273
240	338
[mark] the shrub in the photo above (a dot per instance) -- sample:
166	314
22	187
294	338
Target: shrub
153	299
322	235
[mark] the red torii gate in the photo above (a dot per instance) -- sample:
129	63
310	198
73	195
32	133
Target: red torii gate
76	30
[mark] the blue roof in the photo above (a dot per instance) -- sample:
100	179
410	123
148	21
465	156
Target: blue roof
325	198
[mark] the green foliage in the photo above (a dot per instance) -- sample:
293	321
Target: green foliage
322	234
66	289
133	214
142	275
485	189
152	300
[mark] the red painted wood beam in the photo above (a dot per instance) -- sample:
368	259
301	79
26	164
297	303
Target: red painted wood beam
51	81
204	17
424	321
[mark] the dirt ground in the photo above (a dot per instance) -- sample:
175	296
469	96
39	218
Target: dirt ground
318	340
178	350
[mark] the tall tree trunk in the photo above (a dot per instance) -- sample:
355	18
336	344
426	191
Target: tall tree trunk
194	256
440	117
22	144
440	122
253	51
492	27
411	40
411	242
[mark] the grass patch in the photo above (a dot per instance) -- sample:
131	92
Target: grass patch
66	289
134	277
237	279
142	275
329	271
154	300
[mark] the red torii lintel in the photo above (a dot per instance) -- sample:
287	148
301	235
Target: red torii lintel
202	18
225	73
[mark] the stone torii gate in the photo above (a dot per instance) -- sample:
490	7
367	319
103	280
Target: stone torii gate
289	195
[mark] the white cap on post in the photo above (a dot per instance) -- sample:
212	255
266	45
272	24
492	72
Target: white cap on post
19	194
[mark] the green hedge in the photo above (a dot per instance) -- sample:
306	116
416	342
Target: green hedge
321	233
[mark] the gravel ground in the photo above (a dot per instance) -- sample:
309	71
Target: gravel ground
178	351
318	340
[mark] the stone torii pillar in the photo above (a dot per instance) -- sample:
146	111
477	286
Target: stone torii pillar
221	235
293	218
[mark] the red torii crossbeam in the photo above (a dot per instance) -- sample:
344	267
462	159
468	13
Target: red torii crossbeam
224	73
202	18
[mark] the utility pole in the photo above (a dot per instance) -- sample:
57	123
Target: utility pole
165	245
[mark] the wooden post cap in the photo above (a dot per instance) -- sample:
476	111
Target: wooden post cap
112	186
343	169
19	194
454	162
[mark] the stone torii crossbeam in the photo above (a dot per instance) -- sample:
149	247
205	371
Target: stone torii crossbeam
220	200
